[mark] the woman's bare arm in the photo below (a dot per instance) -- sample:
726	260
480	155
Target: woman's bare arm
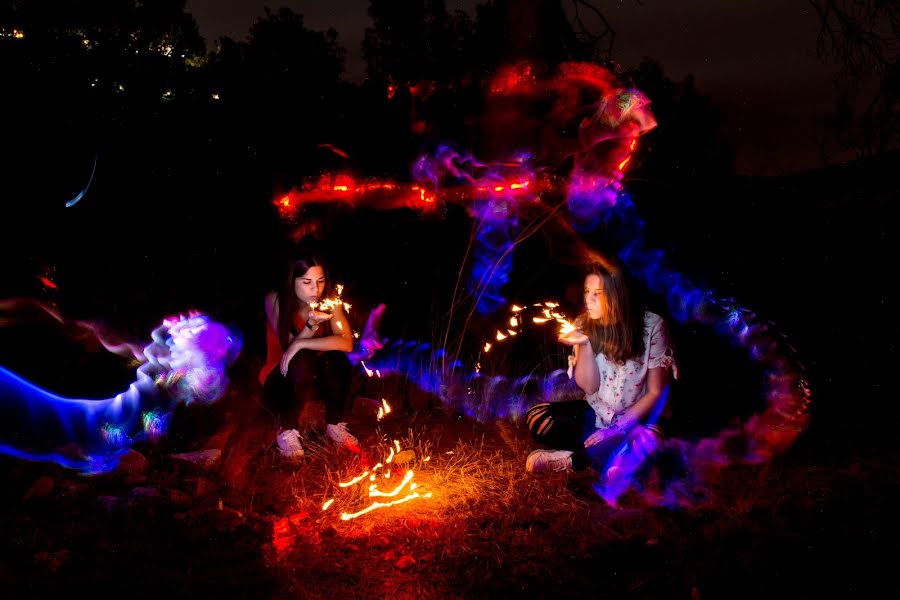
587	375
657	379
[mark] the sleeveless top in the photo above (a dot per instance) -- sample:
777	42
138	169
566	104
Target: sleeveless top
274	351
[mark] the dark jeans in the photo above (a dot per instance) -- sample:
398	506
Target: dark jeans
312	376
565	425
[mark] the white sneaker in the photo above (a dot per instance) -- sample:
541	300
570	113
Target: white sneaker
541	461
289	443
339	435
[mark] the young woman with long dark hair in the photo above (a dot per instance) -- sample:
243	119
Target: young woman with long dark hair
623	359
307	353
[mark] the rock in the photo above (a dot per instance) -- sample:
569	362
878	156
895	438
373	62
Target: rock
204	487
202	458
40	488
71	488
365	407
406	563
220	439
227	519
52	561
132	464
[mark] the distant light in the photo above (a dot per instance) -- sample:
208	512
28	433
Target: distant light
215	96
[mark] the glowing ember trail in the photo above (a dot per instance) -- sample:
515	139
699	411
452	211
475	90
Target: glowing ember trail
376	505
354	480
405	484
373	491
384	409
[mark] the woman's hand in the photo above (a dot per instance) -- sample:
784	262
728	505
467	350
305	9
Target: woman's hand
574	338
644	441
602	435
288	355
316	317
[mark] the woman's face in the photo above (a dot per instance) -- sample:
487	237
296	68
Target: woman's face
310	286
594	299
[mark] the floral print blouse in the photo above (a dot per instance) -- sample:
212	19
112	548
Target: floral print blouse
621	385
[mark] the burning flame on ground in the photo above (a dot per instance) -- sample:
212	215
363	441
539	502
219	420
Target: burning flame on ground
406	483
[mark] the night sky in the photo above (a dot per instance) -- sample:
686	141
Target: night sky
756	60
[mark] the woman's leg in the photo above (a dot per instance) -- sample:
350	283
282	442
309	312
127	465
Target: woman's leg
563	425
333	378
292	392
276	397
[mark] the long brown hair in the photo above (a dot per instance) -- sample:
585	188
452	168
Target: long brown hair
288	303
620	334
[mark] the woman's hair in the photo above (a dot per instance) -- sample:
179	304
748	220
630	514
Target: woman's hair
620	334
298	264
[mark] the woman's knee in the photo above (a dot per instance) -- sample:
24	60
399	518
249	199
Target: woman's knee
302	368
539	421
336	361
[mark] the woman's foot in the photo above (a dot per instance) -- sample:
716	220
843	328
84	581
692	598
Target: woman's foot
542	461
289	443
340	436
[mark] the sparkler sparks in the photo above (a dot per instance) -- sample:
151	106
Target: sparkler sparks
547	314
329	304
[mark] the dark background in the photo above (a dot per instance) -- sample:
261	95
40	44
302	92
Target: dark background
194	139
771	179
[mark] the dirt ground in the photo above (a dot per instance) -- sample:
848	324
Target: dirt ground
241	521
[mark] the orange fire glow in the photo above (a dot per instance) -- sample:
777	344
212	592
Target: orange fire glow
406	483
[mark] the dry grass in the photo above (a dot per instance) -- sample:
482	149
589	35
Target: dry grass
487	528
256	527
